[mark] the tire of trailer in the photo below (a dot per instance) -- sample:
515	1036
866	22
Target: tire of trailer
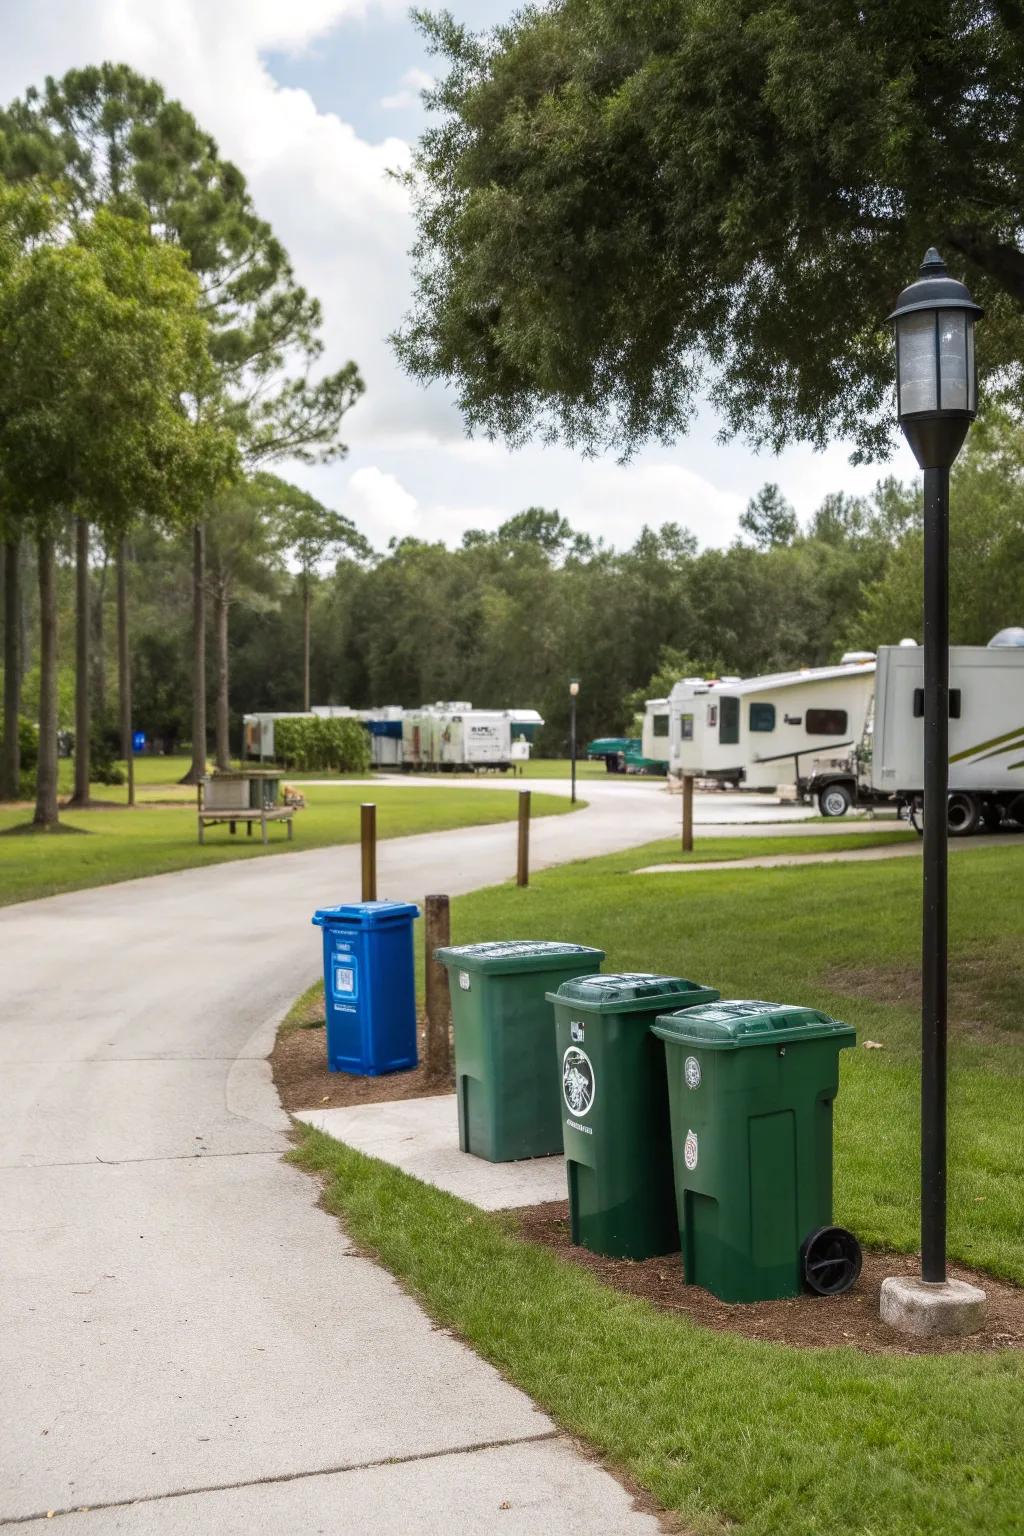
834	800
963	814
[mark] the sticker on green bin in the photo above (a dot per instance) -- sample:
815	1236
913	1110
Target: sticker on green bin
578	1084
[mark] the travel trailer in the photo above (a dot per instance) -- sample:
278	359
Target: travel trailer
986	732
437	736
761	733
656	733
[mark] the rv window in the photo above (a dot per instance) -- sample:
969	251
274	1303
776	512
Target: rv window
762	717
661	725
729	730
686	727
826	722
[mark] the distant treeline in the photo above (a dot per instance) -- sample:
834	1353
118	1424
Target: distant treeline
509	617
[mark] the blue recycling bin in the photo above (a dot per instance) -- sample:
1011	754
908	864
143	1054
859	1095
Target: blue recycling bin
369	986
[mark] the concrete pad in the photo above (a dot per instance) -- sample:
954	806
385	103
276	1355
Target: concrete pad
930	1310
184	1324
421	1136
532	1489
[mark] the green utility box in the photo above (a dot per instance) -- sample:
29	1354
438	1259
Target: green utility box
615	1121
751	1087
506	1070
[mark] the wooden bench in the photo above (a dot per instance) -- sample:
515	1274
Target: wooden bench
229	799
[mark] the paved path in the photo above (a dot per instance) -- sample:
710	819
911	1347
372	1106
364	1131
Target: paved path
907	850
187	1343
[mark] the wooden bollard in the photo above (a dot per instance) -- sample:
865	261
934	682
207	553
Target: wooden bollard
687	812
368	839
523	861
436	934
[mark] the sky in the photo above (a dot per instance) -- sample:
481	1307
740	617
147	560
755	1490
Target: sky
316	101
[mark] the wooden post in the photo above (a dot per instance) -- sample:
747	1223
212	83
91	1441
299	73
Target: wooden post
368	832
687	812
523	863
436	934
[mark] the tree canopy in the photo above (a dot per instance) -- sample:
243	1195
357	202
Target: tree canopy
626	208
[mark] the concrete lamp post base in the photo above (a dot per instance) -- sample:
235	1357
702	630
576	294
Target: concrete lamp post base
932	1309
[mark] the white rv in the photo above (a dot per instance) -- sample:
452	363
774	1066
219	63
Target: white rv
656	735
764	732
986	732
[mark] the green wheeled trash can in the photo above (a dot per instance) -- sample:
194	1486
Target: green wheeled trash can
615	1121
506	1070
751	1086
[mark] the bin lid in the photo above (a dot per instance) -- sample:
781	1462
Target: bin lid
365	914
631	991
501	956
730	1025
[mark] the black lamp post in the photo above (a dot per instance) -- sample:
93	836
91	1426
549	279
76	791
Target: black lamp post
574	688
936	401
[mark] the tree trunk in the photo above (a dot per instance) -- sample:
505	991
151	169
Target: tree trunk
305	641
99	651
198	768
221	607
10	760
124	667
46	772
82	722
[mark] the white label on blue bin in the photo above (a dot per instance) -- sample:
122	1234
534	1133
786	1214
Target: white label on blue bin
691	1071
464	980
576	1030
578	1084
344	981
690	1150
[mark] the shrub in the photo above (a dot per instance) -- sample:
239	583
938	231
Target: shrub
314	743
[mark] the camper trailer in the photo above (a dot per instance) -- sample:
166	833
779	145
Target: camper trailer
385	731
986	732
656	735
763	733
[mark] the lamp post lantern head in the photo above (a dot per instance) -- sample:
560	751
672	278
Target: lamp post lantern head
936	376
574	686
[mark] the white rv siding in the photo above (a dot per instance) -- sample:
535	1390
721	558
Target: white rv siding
986	743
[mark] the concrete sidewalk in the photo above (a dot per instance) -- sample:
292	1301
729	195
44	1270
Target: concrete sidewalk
187	1342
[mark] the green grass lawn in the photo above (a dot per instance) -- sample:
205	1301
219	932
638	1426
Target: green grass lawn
730	1433
125	844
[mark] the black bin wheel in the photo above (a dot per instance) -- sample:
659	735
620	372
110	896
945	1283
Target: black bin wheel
831	1261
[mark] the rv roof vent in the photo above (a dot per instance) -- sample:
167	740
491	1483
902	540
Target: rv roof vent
1007	637
692	682
730	679
909	642
857	658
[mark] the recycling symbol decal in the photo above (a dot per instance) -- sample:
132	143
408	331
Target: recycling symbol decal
577	1080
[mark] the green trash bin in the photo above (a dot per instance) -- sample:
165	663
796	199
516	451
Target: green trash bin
751	1086
615	1122
506	1071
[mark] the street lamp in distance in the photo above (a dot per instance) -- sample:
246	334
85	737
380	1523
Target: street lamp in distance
574	688
936	401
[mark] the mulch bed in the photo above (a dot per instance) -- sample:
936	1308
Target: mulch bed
806	1322
299	1065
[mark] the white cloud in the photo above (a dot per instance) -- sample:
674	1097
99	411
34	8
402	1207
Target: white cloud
412	83
380	505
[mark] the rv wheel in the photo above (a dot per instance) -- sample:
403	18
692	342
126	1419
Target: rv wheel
963	814
835	800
